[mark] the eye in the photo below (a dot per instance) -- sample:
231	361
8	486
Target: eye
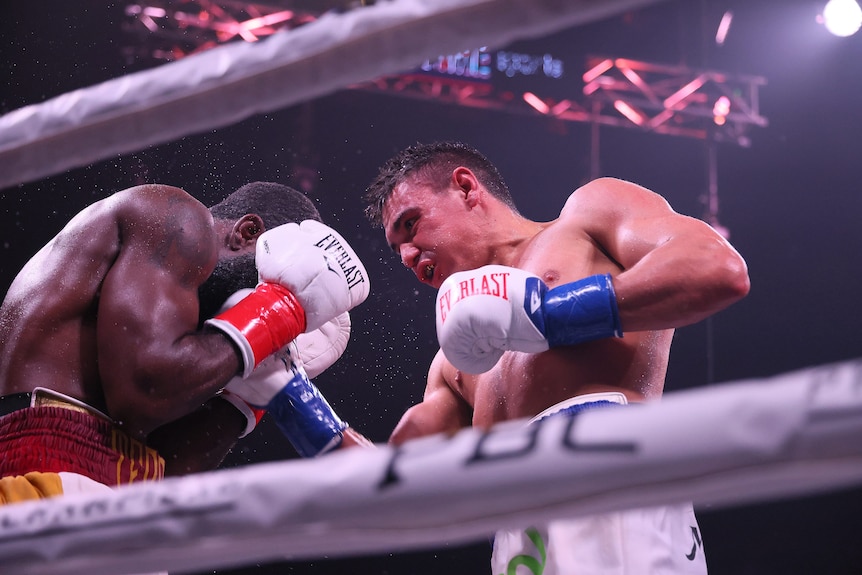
409	224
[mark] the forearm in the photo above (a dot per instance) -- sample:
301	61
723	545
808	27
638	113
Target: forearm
168	384
680	284
424	419
201	440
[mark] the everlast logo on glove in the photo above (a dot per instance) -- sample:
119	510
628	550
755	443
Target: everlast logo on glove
352	272
493	284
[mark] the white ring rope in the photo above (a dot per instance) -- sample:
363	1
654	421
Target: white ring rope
752	440
232	82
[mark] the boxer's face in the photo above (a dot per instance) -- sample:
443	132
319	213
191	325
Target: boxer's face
428	230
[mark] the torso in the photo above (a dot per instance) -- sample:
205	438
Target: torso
49	315
522	385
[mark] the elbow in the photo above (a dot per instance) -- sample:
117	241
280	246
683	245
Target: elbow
735	282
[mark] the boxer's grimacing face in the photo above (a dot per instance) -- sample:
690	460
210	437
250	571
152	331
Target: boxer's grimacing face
427	230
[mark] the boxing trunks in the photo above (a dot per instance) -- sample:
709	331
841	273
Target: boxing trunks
53	444
651	541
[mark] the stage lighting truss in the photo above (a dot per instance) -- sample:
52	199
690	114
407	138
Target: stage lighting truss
663	99
172	29
674	100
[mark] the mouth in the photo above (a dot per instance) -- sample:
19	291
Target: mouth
426	272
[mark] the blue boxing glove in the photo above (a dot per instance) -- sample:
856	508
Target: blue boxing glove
280	386
484	312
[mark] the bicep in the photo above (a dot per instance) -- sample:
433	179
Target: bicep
142	312
153	364
148	298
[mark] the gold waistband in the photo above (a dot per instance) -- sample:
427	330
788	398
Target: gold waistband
43	397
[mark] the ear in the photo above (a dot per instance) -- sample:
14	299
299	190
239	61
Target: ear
468	185
245	231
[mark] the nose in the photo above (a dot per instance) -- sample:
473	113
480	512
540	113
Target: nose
409	254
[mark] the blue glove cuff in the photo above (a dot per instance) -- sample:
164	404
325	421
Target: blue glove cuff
576	312
305	417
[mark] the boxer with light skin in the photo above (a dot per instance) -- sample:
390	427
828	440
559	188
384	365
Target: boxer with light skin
536	319
116	345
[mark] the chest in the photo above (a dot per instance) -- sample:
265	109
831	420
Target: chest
559	257
521	383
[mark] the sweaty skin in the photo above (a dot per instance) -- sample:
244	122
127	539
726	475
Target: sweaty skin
668	270
107	311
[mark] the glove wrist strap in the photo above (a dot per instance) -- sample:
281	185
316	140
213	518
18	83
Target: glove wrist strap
305	417
580	311
261	323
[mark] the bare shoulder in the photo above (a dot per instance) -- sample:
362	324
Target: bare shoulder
169	227
151	201
162	211
622	217
614	192
613	196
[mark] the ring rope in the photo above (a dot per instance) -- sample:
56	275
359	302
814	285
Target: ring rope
723	445
231	82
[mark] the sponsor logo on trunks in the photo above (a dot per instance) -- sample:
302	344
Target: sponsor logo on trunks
493	284
695	545
534	565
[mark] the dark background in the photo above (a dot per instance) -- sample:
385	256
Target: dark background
791	201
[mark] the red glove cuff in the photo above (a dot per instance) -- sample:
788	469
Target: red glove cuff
268	318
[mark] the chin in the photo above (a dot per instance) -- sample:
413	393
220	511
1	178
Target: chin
228	277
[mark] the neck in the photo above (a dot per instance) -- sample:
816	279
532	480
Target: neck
512	233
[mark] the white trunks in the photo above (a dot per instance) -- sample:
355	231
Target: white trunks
651	541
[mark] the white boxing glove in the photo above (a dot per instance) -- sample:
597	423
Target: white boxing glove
322	347
308	276
315	263
484	312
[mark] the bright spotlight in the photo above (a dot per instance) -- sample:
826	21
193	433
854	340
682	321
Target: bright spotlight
842	17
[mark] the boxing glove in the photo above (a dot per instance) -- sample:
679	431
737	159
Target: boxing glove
280	386
316	350
322	347
308	275
484	312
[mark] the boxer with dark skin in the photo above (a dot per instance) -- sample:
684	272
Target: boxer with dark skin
447	213
110	314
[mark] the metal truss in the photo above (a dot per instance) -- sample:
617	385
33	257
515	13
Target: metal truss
619	92
671	100
625	93
674	100
172	29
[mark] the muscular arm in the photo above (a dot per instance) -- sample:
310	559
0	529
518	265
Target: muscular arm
154	366
676	271
441	410
199	441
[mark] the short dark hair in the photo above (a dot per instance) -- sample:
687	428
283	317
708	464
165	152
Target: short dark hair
276	204
435	162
